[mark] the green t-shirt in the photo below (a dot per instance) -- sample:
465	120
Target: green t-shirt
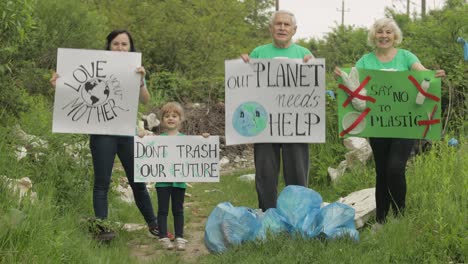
171	184
269	51
402	61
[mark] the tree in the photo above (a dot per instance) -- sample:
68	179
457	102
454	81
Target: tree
16	23
341	47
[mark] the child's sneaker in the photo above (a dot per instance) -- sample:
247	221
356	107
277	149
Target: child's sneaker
170	236
166	243
155	232
180	244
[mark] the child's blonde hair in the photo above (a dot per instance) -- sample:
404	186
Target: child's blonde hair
173	107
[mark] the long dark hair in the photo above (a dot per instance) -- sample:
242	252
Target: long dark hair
117	32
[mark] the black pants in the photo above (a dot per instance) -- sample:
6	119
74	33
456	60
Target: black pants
103	149
176	195
390	156
267	168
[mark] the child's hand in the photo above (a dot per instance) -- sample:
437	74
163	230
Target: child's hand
141	133
205	135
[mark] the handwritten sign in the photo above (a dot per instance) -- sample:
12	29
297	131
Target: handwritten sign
392	104
97	92
275	100
176	159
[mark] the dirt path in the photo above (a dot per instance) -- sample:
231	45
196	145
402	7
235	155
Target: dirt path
148	249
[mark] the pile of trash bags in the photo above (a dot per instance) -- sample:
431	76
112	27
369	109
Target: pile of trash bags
298	212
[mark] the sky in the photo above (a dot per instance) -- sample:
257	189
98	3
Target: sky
317	17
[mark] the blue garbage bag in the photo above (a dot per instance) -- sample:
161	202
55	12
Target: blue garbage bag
335	220
310	226
228	225
272	222
240	224
214	239
296	202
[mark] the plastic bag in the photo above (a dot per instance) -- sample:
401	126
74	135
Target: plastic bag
272	222
240	224
296	202
228	225
335	220
298	212
214	239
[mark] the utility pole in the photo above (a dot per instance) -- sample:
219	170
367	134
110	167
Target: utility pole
407	7
277	5
342	10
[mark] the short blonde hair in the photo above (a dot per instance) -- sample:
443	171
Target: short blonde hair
381	23
173	107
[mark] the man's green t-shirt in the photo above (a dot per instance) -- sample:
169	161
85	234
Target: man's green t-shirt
171	184
402	61
269	51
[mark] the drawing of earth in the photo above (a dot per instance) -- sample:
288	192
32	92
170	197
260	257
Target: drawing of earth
95	92
249	119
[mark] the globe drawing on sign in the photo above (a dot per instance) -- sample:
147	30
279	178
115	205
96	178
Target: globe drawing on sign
249	119
95	92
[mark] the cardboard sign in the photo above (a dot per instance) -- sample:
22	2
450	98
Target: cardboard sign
176	159
275	100
389	104
97	92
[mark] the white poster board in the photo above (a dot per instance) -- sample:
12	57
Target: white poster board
275	100
176	159
97	92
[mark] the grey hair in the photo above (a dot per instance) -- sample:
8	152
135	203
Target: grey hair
384	22
273	16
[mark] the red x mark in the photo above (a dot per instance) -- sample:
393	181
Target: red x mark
429	122
420	89
356	92
356	122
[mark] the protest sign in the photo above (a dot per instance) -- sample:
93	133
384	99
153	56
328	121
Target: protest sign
389	104
275	100
176	159
97	92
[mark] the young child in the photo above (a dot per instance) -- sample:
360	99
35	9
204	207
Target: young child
172	116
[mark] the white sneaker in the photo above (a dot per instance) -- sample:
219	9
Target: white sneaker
180	244
166	243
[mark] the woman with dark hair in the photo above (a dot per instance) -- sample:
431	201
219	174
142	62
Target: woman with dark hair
104	148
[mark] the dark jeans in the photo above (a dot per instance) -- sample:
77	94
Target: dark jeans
176	195
103	149
390	156
267	167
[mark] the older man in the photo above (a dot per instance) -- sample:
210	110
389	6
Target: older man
267	155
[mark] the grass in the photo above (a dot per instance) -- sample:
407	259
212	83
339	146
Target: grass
433	230
50	230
